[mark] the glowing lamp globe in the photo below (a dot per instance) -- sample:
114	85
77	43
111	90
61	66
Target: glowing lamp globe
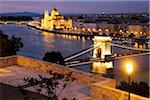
129	68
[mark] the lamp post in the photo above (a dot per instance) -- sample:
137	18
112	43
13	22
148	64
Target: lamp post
129	70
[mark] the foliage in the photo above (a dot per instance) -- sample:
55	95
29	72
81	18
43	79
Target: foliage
8	46
140	88
15	18
53	86
131	35
54	57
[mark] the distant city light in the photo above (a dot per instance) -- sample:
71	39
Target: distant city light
100	30
107	30
83	29
89	29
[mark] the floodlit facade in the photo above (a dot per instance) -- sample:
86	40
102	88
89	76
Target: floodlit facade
104	49
55	21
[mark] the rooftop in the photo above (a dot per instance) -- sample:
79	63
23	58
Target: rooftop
87	86
14	75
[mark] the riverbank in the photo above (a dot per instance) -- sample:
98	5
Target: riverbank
63	33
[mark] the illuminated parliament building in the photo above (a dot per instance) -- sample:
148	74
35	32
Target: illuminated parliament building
55	21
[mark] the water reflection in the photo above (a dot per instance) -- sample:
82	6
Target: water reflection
36	43
48	35
48	38
141	46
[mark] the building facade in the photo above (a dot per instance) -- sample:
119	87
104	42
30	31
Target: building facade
55	21
136	29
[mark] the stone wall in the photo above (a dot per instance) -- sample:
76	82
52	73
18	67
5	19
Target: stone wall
46	67
103	91
7	61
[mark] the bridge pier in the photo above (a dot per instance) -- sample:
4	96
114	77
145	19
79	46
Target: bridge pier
104	48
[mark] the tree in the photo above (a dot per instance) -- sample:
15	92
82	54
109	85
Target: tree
140	88
131	35
54	57
8	46
53	86
16	43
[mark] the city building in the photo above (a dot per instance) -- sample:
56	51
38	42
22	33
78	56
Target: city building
55	21
136	29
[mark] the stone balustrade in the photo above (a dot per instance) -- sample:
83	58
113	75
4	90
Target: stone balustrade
102	91
7	61
43	66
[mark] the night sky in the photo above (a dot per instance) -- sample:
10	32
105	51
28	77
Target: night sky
78	6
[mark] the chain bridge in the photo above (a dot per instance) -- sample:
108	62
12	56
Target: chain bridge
102	57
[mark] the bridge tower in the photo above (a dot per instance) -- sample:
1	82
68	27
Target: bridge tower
104	48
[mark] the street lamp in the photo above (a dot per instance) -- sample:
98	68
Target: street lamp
83	29
129	70
89	29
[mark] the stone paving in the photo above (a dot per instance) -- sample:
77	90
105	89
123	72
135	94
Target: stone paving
13	76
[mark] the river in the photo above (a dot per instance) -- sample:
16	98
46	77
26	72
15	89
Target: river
36	43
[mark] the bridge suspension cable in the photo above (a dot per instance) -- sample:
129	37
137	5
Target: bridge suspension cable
79	63
131	48
81	52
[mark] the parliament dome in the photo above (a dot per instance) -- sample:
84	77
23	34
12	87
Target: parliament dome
54	12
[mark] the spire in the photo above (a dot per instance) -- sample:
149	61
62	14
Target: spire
54	3
46	14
